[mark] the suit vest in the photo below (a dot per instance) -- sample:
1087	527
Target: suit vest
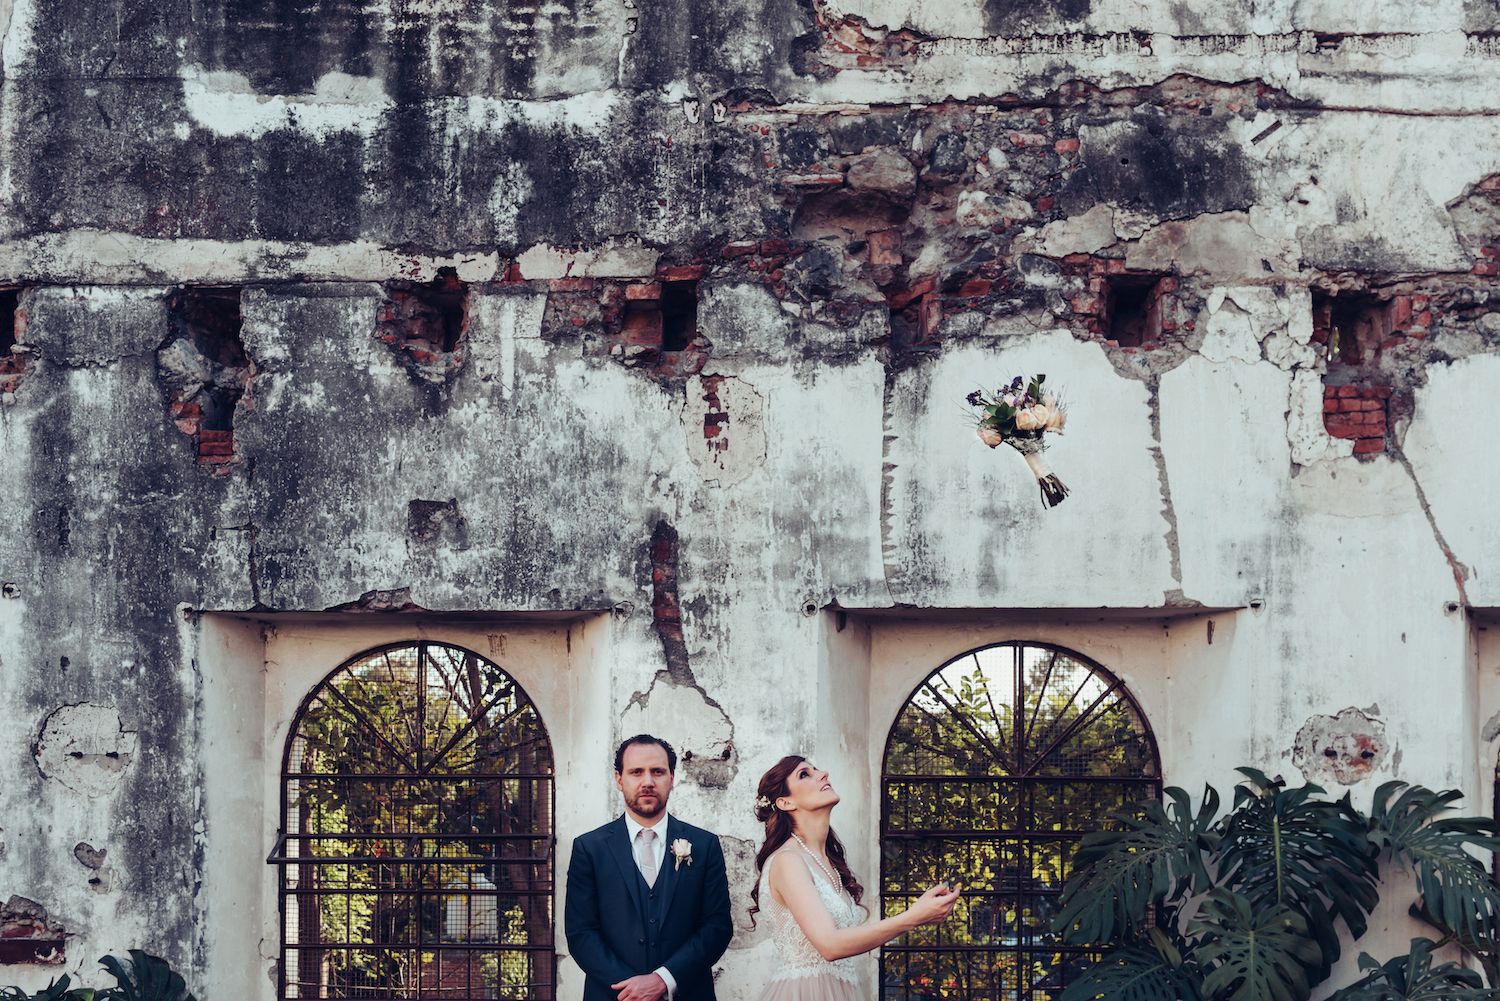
652	899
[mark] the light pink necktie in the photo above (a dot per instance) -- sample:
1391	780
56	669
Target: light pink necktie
648	857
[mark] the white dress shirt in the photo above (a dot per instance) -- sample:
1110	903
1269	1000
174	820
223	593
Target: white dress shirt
659	849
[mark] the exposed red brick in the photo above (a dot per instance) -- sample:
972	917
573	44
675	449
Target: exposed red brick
1348	390
885	247
930	315
187	426
213	460
1398	313
771	248
1026	139
1365	446
651	291
1045	204
686	273
900	300
1491	268
643	328
1491	183
974	289
1066	146
739	248
573	284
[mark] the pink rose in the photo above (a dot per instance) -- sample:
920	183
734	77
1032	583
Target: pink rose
990	436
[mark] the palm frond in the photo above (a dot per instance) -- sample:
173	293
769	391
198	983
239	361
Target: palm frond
1249	956
1131	974
1457	890
1119	876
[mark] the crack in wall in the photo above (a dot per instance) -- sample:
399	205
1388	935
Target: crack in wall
1461	571
1174	596
887	478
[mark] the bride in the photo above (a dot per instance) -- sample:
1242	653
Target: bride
809	895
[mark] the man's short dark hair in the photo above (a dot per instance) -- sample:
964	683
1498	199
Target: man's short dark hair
645	738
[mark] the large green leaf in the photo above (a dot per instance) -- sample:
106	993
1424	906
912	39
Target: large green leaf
1250	956
1457	891
1283	847
144	978
1135	975
56	990
1120	876
1413	978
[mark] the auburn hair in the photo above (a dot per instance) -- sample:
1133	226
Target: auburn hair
779	827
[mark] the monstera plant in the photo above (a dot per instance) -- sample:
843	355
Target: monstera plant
142	977
1248	907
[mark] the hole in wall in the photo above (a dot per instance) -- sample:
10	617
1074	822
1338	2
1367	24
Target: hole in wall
13	364
1350	326
1132	308
679	315
427	323
206	369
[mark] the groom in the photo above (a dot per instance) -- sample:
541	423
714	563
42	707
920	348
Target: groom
648	900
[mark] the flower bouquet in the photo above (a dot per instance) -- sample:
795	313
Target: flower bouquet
1019	415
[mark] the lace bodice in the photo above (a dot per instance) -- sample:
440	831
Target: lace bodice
796	955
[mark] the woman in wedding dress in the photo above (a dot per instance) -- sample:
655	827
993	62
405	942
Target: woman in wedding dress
809	896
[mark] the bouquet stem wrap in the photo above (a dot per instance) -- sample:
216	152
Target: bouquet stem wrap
1053	490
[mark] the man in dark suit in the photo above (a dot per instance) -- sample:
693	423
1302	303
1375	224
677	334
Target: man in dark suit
648	899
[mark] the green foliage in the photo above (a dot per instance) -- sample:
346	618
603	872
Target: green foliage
1251	955
145	978
1135	975
1413	978
142	977
57	990
1288	866
1284	847
1456	889
1123	875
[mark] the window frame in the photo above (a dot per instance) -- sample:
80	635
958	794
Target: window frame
1019	836
544	891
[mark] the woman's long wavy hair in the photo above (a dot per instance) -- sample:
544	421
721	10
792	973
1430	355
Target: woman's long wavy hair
779	831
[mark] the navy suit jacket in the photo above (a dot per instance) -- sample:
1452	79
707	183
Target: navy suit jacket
609	909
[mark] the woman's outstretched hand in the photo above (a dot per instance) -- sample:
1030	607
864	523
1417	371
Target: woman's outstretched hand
934	906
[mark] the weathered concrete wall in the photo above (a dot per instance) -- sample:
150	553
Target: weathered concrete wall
1259	251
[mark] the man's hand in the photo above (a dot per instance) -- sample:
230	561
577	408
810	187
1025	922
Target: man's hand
646	987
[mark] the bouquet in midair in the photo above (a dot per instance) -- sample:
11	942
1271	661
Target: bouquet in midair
1019	415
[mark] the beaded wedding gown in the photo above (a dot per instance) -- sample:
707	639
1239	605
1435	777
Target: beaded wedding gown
801	973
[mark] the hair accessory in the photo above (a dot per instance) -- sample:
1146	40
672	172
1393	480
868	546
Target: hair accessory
762	803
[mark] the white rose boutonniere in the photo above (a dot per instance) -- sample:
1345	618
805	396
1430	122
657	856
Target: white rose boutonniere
682	851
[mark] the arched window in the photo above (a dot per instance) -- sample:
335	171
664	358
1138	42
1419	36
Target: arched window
417	828
999	762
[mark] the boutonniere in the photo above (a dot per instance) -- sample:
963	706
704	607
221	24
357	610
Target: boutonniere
682	851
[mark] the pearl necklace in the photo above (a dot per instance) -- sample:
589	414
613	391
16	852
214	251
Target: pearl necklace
832	878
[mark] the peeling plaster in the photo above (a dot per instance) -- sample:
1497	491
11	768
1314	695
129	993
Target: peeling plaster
1347	748
85	748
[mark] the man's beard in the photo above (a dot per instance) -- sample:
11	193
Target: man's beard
640	811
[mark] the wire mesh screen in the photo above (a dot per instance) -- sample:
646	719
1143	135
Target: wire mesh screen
997	765
417	827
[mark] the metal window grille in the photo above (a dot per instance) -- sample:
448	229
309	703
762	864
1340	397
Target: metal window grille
416	837
998	764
